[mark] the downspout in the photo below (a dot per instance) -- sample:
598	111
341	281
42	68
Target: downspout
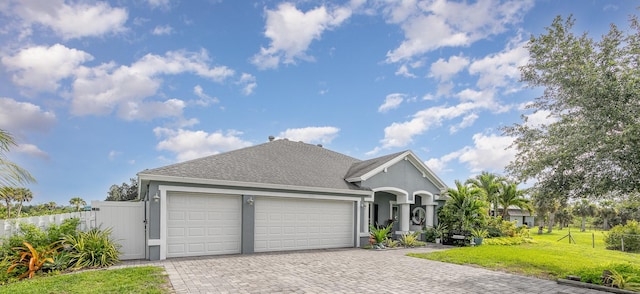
146	234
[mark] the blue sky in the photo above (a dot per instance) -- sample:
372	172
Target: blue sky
97	91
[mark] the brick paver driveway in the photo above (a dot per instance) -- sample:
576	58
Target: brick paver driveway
345	271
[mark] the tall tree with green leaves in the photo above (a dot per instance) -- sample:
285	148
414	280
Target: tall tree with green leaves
77	202
509	195
22	195
546	206
591	144
584	209
8	195
607	212
124	192
11	175
489	186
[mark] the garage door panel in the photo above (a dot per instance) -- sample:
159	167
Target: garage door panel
293	224
203	224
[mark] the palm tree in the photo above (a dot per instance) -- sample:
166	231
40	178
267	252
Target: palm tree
23	195
546	205
489	186
509	195
607	212
467	203
8	195
584	209
11	174
51	205
77	202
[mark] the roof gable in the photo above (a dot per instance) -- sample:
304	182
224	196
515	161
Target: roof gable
366	169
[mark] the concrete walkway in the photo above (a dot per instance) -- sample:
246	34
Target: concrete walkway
344	271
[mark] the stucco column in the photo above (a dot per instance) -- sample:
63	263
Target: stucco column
429	216
367	217
404	217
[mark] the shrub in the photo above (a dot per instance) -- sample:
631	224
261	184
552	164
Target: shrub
629	232
32	260
507	241
380	234
410	240
91	249
628	271
390	243
38	238
430	234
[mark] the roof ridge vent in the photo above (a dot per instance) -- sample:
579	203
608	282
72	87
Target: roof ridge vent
319	145
271	138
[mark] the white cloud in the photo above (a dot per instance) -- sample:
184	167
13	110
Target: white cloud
74	20
31	150
429	25
291	31
403	70
159	3
467	121
439	165
101	89
113	154
392	101
205	100
501	69
401	134
248	83
540	118
189	145
148	110
322	135
444	70
487	154
162	30
41	68
19	117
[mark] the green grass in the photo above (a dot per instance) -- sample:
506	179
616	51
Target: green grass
547	258
147	279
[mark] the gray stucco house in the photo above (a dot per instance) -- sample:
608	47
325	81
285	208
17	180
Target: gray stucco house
283	195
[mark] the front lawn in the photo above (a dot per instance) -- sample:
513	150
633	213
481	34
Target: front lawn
547	258
146	279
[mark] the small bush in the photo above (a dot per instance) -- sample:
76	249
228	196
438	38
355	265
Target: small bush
380	234
92	249
594	275
430	234
390	243
410	240
32	260
507	241
631	234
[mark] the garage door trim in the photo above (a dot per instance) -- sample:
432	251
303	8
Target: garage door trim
164	189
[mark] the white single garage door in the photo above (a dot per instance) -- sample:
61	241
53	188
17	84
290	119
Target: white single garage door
203	224
295	224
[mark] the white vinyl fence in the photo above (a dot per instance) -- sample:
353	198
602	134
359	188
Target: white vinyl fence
126	219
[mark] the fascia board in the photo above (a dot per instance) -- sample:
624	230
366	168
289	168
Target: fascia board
250	184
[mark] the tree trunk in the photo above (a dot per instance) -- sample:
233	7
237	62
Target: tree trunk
552	217
19	209
8	209
584	223
605	223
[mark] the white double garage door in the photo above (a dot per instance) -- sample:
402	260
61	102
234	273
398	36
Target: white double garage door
211	224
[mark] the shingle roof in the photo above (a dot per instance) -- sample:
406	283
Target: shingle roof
280	162
363	167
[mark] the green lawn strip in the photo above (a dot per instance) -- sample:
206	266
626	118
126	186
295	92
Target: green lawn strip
547	258
145	279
